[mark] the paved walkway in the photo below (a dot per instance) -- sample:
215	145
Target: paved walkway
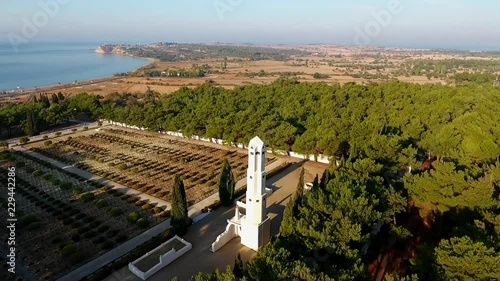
115	253
204	233
64	132
194	212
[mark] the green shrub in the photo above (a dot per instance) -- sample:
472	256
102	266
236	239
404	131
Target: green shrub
38	173
125	196
85	128
132	199
122	167
76	258
102	228
45	137
76	191
66	186
68	250
73	130
34	225
133	217
101	203
28	219
165	214
140	203
24	140
146	207
112	191
55	181
58	133
115	211
142	223
87	197
47	143
157	210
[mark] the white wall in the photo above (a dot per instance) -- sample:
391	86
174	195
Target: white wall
319	158
163	261
224	237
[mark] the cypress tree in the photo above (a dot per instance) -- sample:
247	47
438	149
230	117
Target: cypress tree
288	222
238	267
45	101
324	179
179	213
54	98
316	182
226	184
31	128
300	184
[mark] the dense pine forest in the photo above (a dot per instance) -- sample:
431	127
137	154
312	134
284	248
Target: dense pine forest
416	195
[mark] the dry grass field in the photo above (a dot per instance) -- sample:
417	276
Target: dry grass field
342	64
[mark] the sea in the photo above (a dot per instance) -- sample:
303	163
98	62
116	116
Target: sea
44	64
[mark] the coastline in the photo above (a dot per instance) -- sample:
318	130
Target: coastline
56	87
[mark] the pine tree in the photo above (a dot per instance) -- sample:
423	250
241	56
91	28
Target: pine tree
31	128
238	267
226	184
179	214
465	259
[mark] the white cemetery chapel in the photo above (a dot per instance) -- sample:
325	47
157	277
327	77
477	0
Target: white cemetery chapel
254	226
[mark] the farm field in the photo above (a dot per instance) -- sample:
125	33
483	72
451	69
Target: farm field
339	64
148	162
64	221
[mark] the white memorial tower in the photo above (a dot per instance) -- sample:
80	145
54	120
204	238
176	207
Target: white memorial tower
254	226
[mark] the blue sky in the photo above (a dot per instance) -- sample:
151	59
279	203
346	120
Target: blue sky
419	23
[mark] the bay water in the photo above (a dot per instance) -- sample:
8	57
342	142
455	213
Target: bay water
44	64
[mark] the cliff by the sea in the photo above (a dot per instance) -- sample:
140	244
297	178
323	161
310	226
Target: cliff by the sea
110	49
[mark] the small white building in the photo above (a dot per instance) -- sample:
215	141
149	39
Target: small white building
254	227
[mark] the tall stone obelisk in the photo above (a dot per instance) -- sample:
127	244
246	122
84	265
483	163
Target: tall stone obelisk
255	226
